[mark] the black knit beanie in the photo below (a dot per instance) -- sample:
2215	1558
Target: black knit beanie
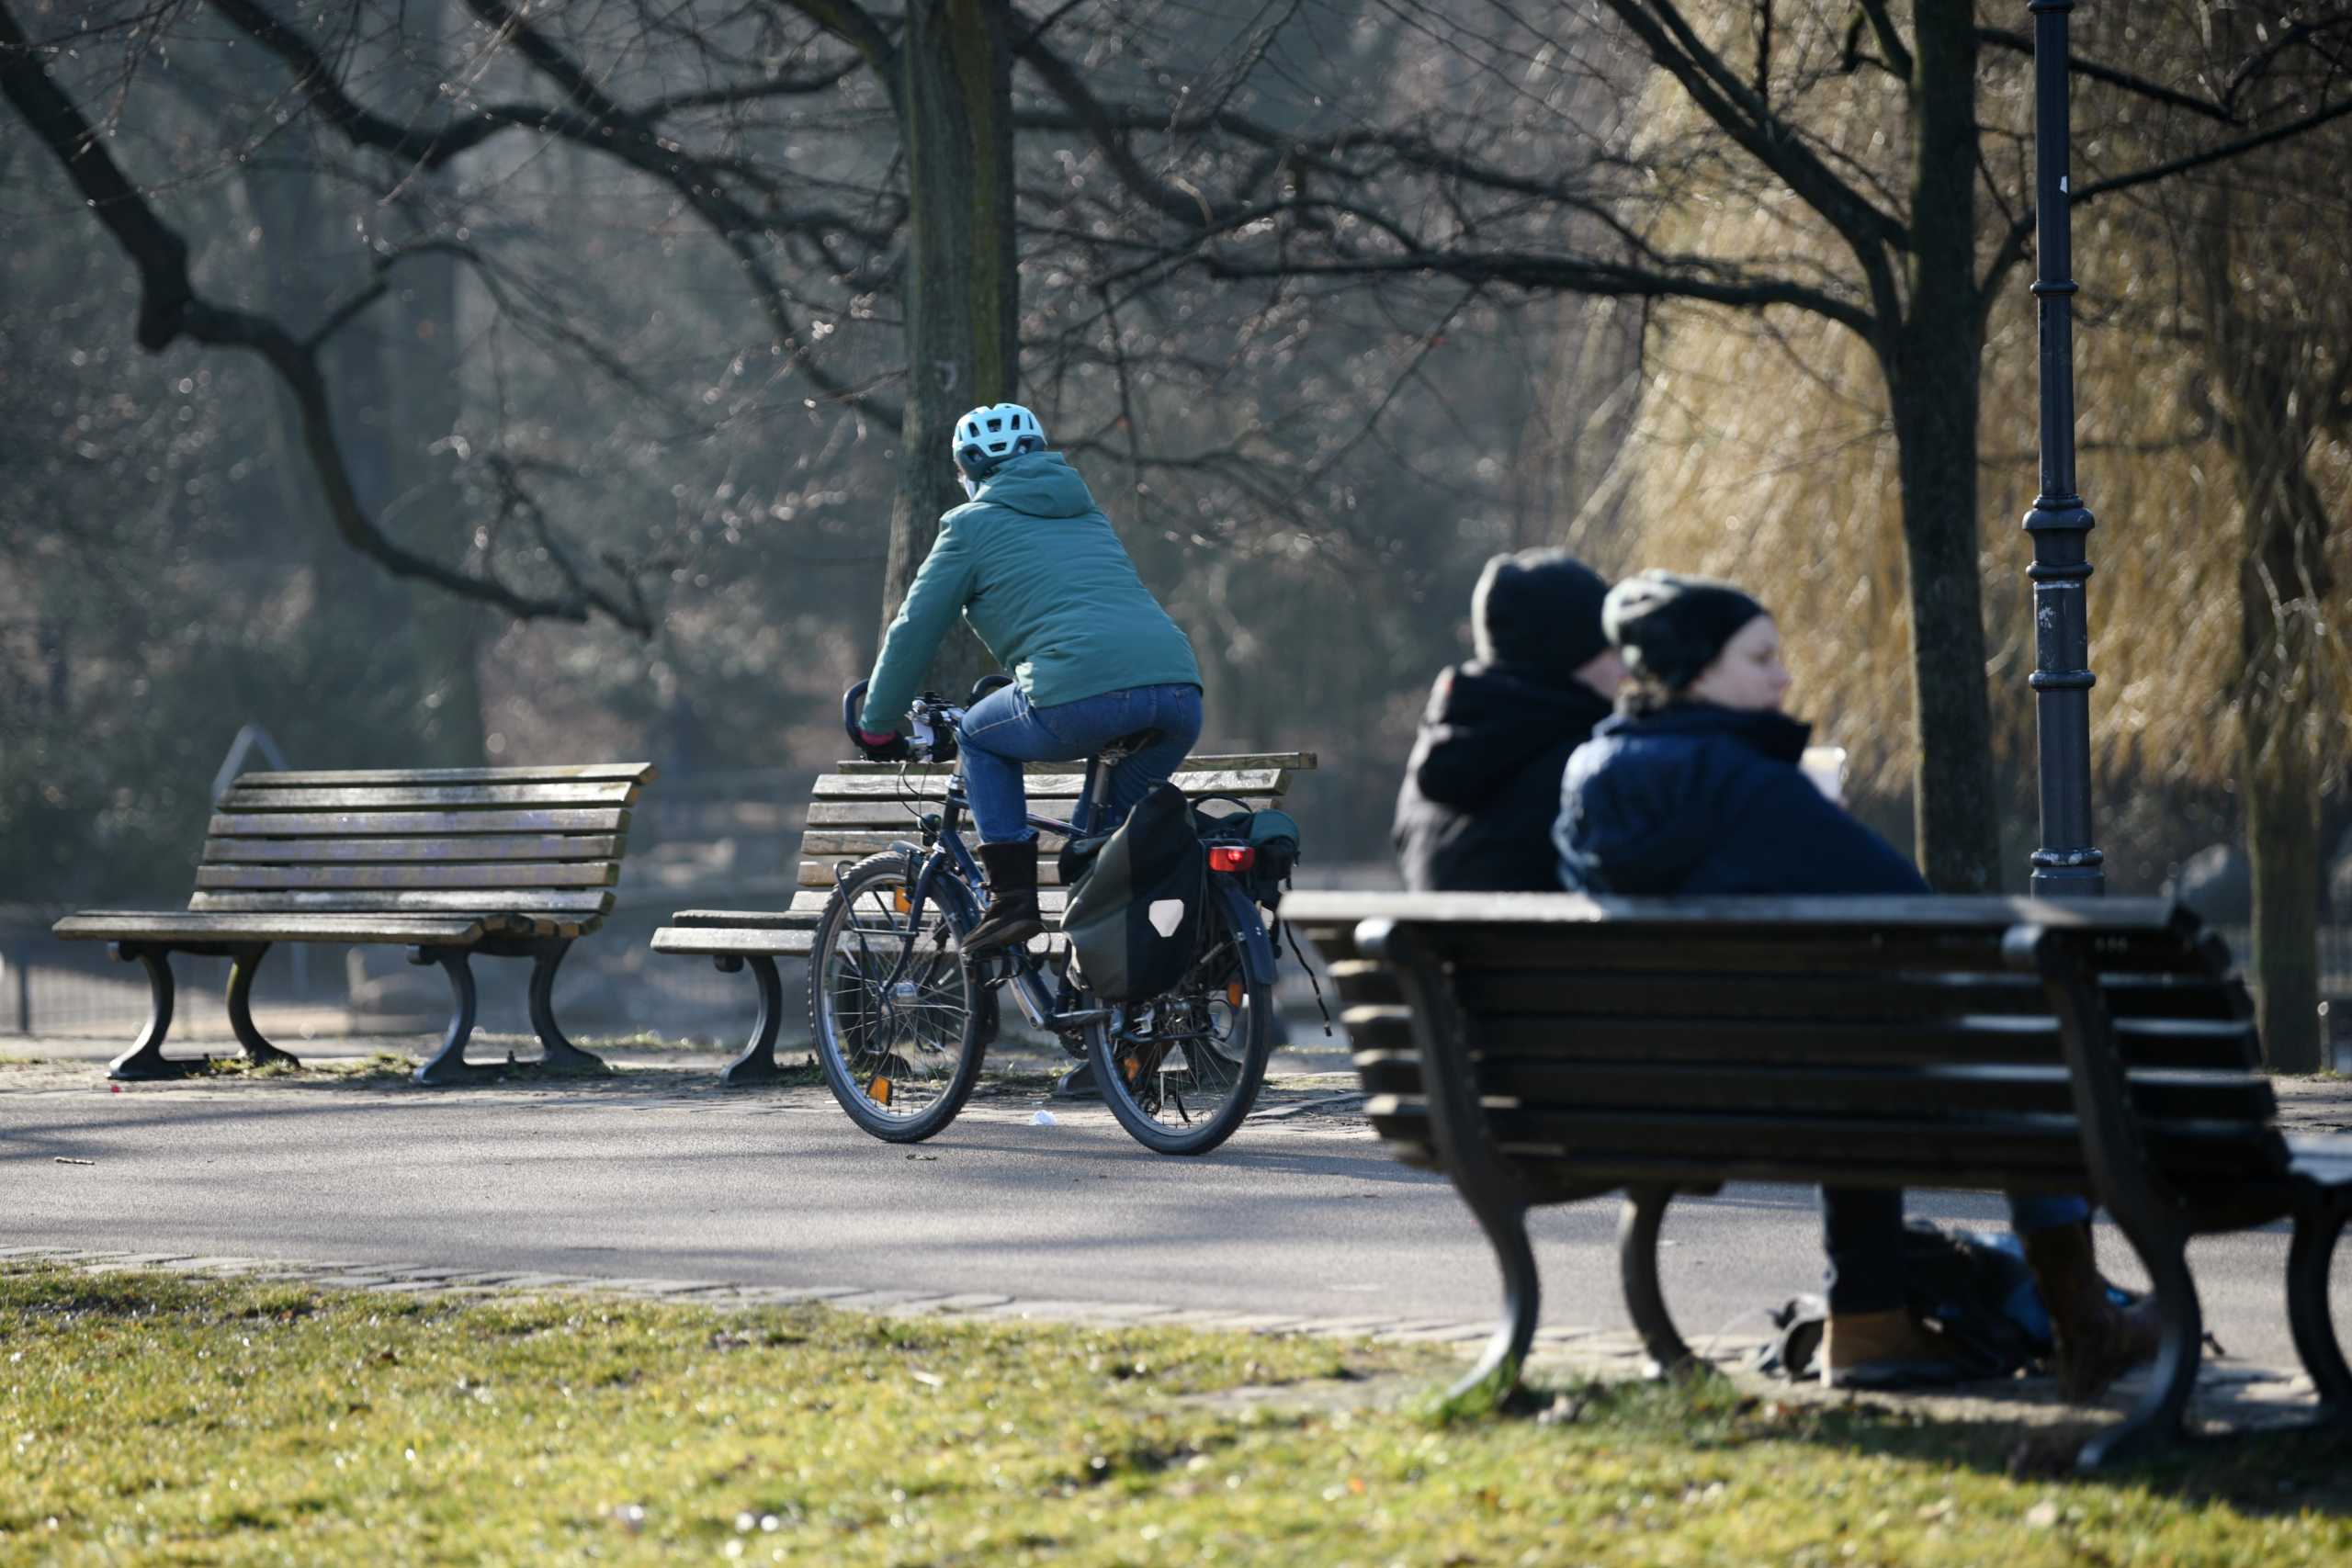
1671	627
1538	610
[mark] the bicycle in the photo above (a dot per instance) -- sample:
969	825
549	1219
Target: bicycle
901	1022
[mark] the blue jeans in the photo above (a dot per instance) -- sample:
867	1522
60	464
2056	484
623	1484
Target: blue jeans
1004	729
1861	1229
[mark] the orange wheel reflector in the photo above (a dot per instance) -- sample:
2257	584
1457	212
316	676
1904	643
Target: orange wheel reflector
900	902
879	1092
1132	1066
1233	994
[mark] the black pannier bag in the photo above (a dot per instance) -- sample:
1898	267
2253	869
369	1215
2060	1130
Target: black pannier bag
1134	915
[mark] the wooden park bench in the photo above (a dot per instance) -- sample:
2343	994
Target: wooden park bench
1544	1048
449	862
865	808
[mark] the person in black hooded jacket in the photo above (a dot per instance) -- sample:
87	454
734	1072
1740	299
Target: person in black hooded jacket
1476	810
1694	788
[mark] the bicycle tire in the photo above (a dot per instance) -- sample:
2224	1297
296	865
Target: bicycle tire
1129	1066
864	1043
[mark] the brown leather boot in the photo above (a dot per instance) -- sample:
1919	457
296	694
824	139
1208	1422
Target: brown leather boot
1012	918
2097	1340
1884	1350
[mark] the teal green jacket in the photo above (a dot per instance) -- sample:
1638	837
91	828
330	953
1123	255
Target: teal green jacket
1039	572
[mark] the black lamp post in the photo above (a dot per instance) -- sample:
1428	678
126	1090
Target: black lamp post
2066	866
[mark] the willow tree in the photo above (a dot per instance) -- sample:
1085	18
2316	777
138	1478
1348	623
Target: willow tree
2214	391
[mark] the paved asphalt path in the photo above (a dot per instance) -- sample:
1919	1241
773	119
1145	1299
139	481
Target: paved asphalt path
1300	1215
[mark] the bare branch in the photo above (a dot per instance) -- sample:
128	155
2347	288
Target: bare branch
2090	70
171	309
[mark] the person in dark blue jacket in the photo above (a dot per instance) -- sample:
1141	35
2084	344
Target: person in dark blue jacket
1693	787
1475	812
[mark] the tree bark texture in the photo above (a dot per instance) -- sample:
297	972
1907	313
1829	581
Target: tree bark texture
962	289
2268	422
1931	359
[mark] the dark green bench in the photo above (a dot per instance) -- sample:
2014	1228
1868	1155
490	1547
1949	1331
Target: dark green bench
451	864
865	808
1545	1048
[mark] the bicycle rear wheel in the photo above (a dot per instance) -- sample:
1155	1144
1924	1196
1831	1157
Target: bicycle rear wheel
1181	1071
900	1044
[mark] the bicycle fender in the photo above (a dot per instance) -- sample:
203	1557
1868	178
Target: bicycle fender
1257	949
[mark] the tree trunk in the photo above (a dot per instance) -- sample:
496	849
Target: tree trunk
2266	424
1931	367
963	291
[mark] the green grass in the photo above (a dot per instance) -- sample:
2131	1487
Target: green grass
149	1418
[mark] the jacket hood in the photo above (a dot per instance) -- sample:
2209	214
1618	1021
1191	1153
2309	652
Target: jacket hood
1648	797
1485	722
1040	484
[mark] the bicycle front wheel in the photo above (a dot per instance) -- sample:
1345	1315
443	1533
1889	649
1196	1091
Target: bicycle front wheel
1181	1071
897	1020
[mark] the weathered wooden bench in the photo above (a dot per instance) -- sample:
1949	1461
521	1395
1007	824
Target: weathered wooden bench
1544	1048
505	863
865	808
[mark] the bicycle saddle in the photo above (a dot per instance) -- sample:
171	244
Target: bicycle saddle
1130	744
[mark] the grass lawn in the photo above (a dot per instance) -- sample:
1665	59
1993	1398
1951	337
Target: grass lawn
148	1418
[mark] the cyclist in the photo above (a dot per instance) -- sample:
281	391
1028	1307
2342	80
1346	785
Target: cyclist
1035	568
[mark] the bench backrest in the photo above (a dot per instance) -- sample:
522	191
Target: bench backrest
540	846
865	808
1625	1039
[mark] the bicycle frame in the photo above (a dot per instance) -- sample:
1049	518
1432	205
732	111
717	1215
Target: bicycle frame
947	849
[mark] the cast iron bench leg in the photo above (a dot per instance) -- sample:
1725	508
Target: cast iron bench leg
145	1059
448	1064
1637	1228
559	1054
757	1064
2316	1229
258	1051
1498	1365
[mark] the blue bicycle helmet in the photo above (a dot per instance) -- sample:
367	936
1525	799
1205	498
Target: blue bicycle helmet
989	435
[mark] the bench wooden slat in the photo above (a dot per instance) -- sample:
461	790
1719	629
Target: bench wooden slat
394	797
819	873
497	875
1593	993
1296	761
737	940
889	815
632	773
1771	916
385	824
1045	787
519	846
481	904
806	906
129	925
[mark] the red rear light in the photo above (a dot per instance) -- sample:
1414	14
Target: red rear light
1233	857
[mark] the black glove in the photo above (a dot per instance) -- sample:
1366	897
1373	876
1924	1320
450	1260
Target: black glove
883	746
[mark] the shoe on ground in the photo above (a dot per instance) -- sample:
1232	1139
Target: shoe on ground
1885	1350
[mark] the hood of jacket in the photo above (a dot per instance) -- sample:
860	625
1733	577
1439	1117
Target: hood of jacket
1653	795
1488	722
1040	484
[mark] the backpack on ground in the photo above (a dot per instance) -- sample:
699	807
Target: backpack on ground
1974	1286
1134	914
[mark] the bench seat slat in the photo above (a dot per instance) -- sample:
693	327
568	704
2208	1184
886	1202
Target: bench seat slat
806	906
305	852
819	873
386	823
893	817
1614	994
1597	917
1836	952
1298	762
1045	787
444	797
105	925
414	901
594	773
778	943
524	875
